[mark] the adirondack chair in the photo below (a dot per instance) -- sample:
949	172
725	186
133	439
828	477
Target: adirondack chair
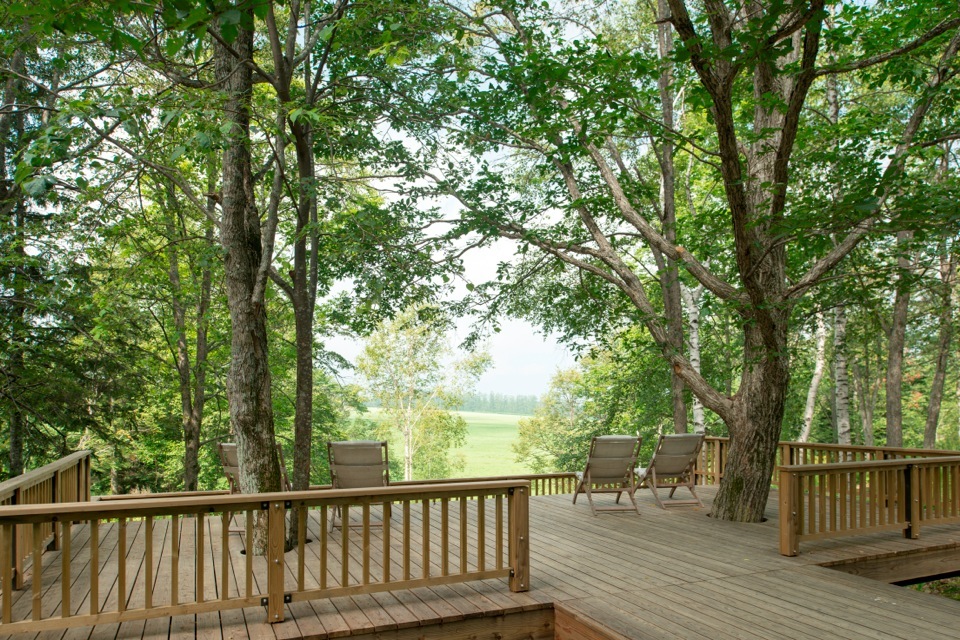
357	464
609	469
672	467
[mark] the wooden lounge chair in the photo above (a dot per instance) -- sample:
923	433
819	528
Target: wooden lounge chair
357	464
610	470
672	466
231	466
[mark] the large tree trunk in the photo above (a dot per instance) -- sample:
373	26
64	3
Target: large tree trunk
248	380
948	268
819	366
754	424
896	341
840	377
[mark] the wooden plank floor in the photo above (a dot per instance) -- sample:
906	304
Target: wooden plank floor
663	574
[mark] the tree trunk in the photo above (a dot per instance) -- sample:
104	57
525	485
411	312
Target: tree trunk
248	380
754	423
691	301
948	269
841	380
896	340
820	364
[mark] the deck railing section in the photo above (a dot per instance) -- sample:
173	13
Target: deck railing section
401	537
819	501
713	456
66	480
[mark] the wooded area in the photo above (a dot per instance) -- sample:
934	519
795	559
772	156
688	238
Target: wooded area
744	213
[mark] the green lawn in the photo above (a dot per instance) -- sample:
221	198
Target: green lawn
487	451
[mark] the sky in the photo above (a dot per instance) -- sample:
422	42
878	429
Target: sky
523	360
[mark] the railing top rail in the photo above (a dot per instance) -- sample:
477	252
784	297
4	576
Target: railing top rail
317	487
512	476
35	476
242	502
814	469
854	447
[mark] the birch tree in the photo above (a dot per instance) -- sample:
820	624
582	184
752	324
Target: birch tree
409	367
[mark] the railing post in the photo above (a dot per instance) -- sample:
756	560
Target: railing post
519	538
717	445
911	498
56	498
276	539
789	524
15	548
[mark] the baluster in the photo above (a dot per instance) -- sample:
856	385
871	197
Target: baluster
122	564
387	511
323	546
248	554
406	539
481	534
344	545
225	519
301	546
175	559
445	536
65	535
366	542
463	534
498	525
426	538
6	559
95	566
199	556
37	569
148	564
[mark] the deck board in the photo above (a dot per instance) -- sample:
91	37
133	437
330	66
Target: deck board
663	574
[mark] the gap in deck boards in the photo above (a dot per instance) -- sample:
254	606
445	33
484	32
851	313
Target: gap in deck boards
906	568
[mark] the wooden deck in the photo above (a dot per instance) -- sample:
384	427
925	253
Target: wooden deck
664	574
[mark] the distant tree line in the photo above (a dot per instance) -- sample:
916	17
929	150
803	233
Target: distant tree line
500	403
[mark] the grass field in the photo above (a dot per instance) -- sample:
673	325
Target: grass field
487	451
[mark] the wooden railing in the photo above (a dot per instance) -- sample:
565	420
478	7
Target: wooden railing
138	559
713	456
543	484
820	501
66	480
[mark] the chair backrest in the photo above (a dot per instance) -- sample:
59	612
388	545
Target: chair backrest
612	458
230	461
676	453
356	464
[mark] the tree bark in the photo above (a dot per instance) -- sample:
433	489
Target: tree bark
896	341
248	380
691	301
754	424
948	270
819	366
841	380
